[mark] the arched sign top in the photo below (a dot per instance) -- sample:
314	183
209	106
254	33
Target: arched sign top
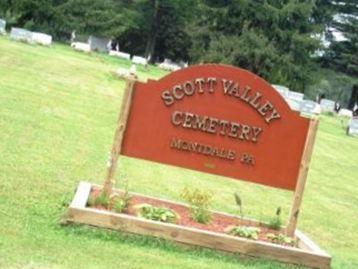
217	119
236	81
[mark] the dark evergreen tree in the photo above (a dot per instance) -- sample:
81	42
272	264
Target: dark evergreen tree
274	39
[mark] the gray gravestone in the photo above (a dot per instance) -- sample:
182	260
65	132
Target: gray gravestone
2	27
308	107
327	105
353	126
99	44
20	34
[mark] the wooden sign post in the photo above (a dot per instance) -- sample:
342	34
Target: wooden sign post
109	181
302	177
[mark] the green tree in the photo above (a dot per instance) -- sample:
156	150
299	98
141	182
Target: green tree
342	53
274	39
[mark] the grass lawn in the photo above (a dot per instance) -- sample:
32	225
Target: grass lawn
58	110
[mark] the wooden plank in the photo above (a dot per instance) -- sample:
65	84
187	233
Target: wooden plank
198	237
81	196
310	255
304	242
109	181
302	177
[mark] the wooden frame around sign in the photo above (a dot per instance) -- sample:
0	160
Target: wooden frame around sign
307	253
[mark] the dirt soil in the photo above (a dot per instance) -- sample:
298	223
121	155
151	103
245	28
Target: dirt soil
219	222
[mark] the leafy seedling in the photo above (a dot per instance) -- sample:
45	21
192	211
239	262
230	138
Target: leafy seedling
280	239
239	204
162	214
276	222
244	231
199	201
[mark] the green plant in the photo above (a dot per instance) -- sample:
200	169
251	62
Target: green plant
239	204
199	201
121	201
102	199
162	214
276	222
244	231
280	238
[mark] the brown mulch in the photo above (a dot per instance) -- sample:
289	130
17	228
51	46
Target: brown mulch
219	222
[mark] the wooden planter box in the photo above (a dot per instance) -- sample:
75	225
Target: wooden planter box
307	253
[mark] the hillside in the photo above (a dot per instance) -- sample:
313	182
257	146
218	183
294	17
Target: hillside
58	110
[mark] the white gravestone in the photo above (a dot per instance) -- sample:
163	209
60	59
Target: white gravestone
79	46
281	90
139	60
2	27
169	65
120	54
327	105
309	107
353	126
42	39
295	95
345	113
20	34
294	104
126	73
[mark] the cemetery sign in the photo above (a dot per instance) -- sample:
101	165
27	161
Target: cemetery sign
217	119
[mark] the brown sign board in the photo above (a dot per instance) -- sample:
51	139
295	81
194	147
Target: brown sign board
217	119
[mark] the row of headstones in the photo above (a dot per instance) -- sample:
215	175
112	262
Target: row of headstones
105	45
296	102
24	35
93	44
167	64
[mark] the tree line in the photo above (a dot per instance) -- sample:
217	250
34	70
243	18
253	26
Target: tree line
282	41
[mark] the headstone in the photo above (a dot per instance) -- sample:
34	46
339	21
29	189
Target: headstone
20	34
295	95
120	54
42	39
294	104
327	105
98	44
169	65
2	27
309	107
345	113
183	64
139	60
281	90
133	70
353	126
79	46
126	73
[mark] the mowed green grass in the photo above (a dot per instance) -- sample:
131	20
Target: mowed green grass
58	110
